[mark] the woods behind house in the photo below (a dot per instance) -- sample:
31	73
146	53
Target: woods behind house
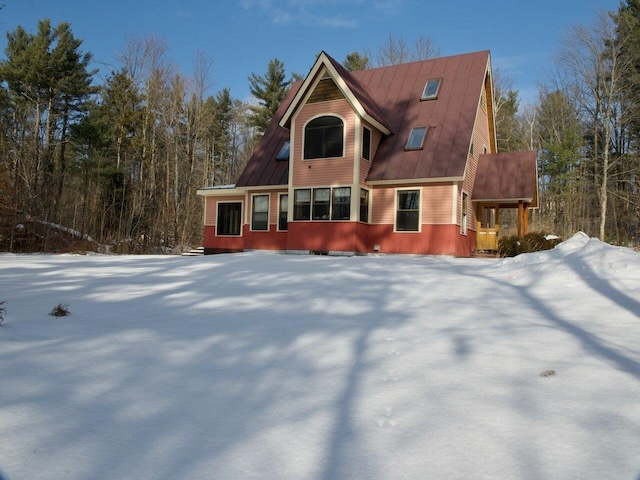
117	162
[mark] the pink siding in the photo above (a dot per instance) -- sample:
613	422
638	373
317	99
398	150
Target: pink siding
211	209
436	204
365	165
480	140
324	171
273	204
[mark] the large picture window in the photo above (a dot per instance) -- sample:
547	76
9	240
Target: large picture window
408	213
302	204
322	203
323	138
260	212
229	218
283	209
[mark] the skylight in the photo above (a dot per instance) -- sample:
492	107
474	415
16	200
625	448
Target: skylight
283	154
416	138
431	89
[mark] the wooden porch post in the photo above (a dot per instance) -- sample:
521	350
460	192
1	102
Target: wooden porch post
520	219
525	215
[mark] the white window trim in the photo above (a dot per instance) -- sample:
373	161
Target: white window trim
344	137
368	206
362	143
268	195
331	188
242	210
280	194
395	210
424	136
464	219
424	90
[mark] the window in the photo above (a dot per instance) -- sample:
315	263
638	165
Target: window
302	204
364	205
408	214
431	88
341	203
229	215
260	212
283	209
366	143
323	138
321	203
283	154
465	212
416	137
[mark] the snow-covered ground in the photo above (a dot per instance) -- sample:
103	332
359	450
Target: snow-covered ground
266	366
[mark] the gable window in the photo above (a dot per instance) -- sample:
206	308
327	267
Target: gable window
260	212
431	88
416	138
341	203
228	221
321	203
366	143
283	209
364	205
465	213
302	204
408	211
283	154
324	138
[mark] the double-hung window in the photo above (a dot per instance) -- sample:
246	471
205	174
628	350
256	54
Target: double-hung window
321	203
364	205
366	143
283	210
408	211
341	203
465	213
302	204
260	212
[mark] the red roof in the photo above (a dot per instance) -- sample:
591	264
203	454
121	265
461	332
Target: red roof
391	95
507	177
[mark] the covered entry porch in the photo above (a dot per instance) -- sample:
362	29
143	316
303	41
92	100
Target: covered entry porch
504	181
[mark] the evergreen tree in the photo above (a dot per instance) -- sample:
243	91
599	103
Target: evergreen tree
269	90
354	61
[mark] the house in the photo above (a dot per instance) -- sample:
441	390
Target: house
397	159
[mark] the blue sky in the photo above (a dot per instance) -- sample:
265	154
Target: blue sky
242	36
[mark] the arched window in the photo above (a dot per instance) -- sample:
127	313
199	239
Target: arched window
324	137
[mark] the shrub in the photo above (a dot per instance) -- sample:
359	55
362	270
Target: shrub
60	310
513	245
3	311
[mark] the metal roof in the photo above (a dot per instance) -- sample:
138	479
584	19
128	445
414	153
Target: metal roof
391	96
507	177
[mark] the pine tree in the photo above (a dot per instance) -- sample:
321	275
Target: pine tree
269	90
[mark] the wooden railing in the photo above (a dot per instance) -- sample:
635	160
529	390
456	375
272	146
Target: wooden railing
486	238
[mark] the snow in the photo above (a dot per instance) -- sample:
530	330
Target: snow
267	366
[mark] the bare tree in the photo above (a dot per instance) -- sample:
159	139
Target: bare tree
591	55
